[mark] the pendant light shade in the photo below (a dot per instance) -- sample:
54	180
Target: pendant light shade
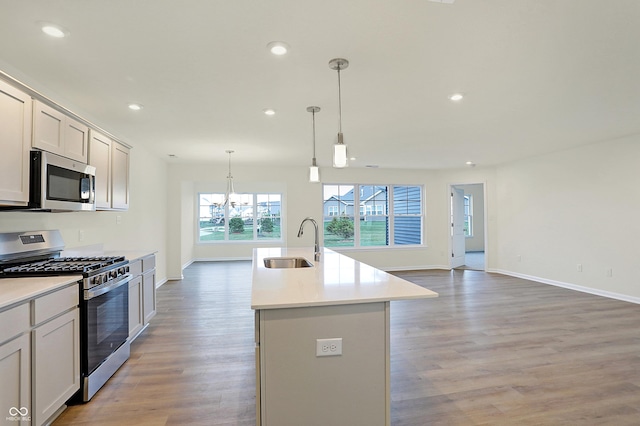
340	158
230	195
314	171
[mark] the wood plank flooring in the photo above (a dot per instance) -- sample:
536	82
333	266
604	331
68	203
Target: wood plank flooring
491	350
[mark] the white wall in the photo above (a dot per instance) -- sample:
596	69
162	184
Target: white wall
142	227
573	207
302	199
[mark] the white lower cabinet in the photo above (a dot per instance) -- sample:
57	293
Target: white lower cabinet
15	376
148	295
56	364
136	319
40	365
142	294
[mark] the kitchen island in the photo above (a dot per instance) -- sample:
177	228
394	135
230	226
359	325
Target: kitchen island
322	339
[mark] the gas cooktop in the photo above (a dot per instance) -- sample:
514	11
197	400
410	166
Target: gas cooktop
83	265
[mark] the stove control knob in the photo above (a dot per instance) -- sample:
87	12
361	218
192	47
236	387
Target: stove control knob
97	280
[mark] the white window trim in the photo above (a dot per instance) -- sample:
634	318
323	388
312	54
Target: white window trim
254	240
390	216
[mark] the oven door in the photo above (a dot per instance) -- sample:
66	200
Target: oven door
105	324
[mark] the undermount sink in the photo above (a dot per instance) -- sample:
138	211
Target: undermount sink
287	262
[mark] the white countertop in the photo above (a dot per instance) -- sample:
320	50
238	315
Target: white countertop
16	290
334	280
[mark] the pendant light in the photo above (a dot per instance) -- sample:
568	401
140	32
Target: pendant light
314	171
339	149
230	195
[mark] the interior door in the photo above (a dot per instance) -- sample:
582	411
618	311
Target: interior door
457	227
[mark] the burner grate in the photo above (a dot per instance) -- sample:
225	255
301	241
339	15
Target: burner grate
61	265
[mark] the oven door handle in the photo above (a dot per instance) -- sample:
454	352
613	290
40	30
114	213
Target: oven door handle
102	289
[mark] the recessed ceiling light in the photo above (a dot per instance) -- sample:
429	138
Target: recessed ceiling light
456	97
135	107
53	30
278	48
269	111
470	164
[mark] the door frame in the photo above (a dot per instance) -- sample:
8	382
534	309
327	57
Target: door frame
450	188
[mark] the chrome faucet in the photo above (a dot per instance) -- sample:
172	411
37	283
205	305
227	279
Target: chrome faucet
316	245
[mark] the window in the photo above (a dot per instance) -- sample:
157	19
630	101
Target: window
468	215
407	208
253	217
386	215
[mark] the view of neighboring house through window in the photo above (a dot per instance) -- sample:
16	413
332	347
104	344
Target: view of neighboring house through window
407	214
250	217
375	221
468	215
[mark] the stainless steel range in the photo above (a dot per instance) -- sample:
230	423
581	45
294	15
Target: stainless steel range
104	299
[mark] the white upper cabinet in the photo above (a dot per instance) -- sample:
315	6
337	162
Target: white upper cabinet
100	158
111	160
15	144
55	132
119	176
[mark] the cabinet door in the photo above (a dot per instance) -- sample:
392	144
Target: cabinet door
48	128
149	295
120	176
136	319
100	158
56	364
15	143
76	140
15	376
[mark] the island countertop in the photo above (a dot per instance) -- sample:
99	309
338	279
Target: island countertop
335	279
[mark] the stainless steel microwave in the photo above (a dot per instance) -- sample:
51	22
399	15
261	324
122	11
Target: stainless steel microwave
61	184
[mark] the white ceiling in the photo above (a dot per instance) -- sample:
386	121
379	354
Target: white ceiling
538	75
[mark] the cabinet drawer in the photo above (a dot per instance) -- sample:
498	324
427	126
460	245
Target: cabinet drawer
14	322
55	303
135	268
148	263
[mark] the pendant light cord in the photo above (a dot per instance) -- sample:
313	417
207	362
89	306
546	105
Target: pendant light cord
339	102
313	115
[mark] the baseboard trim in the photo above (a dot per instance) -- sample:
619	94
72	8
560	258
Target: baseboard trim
583	289
414	268
220	259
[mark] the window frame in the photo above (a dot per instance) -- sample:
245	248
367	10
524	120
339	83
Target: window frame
227	217
361	212
468	215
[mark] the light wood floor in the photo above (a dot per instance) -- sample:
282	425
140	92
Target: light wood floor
491	350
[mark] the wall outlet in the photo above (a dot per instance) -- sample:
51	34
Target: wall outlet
579	267
118	220
519	258
609	272
80	235
329	347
